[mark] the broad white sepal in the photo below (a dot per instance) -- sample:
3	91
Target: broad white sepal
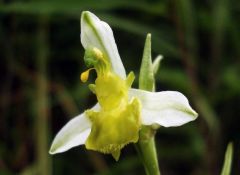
97	33
166	108
74	133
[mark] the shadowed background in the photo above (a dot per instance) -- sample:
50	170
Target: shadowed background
41	60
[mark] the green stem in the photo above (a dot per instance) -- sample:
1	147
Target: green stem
147	151
146	143
42	100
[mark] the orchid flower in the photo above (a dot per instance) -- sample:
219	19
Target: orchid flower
121	111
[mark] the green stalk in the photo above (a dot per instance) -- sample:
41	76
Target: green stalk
42	113
146	143
147	151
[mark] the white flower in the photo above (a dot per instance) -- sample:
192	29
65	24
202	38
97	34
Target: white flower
166	108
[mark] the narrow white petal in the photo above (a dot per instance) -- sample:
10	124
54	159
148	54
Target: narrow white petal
74	133
166	108
96	33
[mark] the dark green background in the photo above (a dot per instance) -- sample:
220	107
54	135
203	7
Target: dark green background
41	60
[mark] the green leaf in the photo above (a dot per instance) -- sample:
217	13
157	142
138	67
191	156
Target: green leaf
146	77
70	6
226	170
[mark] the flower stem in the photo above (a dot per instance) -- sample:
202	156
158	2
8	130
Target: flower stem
147	151
146	143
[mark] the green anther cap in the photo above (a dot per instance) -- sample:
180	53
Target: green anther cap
92	56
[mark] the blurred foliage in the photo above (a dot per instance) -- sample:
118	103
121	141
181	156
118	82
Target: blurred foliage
41	59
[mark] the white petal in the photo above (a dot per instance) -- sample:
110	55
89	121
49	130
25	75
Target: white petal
74	133
96	33
166	108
